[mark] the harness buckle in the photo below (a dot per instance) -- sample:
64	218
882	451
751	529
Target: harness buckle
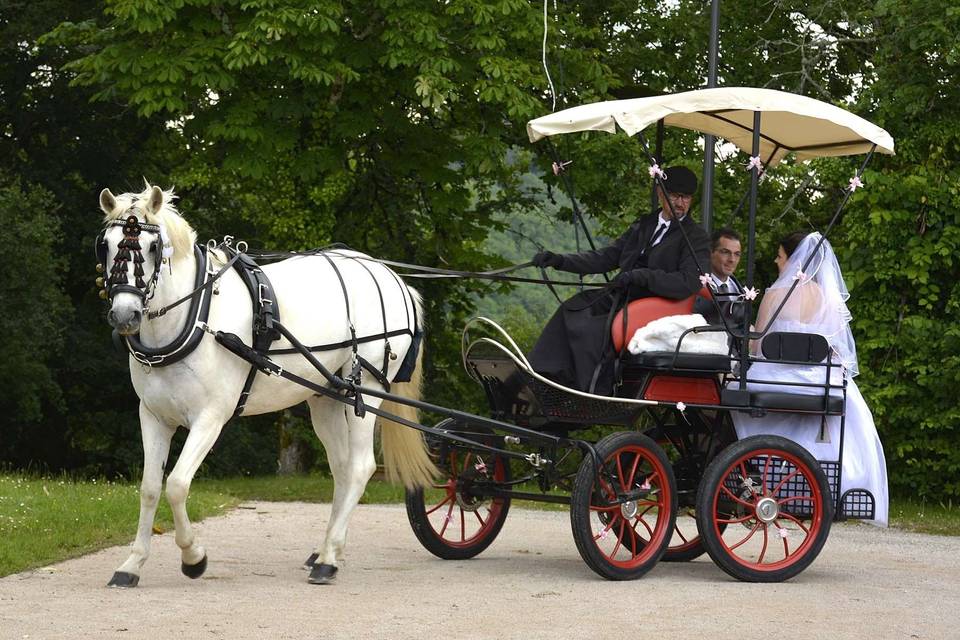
261	287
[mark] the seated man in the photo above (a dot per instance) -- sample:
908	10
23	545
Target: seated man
654	260
724	259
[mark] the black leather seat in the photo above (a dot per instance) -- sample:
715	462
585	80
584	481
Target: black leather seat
664	360
778	400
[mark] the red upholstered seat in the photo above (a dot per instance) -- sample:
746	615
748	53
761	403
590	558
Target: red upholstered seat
645	310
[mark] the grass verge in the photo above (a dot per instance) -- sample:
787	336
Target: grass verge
45	520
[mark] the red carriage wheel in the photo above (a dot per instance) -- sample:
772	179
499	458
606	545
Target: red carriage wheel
453	519
764	509
623	516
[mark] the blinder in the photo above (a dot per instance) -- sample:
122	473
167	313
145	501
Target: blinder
128	250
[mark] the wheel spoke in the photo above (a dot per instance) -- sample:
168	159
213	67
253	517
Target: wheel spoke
735	520
763	476
676	528
792	498
611	508
463	527
633	470
796	521
789	477
763	549
616	547
642	521
605	531
440	504
749	535
736	499
447	519
477	513
620	472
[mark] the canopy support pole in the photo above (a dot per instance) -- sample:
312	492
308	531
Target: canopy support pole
706	218
751	245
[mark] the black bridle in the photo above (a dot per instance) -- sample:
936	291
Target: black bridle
128	250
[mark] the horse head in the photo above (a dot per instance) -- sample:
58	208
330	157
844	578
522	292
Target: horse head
142	235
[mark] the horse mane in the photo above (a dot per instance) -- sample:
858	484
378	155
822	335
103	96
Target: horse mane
182	235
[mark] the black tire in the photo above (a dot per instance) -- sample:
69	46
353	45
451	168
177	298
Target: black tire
630	462
767	485
476	519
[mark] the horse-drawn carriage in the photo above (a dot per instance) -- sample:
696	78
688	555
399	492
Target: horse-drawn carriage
670	480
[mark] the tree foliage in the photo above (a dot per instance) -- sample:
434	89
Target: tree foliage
397	126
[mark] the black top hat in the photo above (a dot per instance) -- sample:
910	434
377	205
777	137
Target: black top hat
680	180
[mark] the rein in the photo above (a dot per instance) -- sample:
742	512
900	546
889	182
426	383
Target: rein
432	273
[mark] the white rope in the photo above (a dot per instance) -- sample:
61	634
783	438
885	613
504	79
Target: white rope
553	91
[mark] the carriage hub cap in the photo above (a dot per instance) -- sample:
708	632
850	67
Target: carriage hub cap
767	510
628	509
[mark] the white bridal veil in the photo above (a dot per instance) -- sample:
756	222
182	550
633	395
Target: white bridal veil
818	304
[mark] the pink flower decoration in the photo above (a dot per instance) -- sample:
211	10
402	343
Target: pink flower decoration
481	467
603	534
755	164
801	276
750	294
681	407
783	533
655	170
855	183
705	279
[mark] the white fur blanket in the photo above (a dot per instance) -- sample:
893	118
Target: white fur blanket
663	334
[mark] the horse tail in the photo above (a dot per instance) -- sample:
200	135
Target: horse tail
405	455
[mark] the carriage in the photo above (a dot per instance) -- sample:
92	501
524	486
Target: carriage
674	481
653	471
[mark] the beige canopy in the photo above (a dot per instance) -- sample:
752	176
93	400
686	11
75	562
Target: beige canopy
789	123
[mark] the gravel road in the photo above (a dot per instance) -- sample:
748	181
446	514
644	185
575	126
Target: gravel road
531	583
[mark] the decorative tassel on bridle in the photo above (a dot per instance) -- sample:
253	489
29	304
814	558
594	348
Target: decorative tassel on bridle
128	249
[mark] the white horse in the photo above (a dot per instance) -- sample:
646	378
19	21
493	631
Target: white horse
201	391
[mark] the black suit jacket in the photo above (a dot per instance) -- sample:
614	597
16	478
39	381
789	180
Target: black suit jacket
668	269
733	309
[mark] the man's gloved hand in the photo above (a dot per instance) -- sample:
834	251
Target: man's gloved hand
547	259
626	279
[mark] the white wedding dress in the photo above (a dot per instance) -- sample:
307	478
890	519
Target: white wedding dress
818	305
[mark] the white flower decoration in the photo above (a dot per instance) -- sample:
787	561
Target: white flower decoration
655	170
755	163
855	183
705	279
681	407
751	294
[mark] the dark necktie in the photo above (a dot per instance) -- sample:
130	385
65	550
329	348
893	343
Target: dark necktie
723	288
661	228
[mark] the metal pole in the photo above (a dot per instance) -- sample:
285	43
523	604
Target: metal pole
751	244
708	140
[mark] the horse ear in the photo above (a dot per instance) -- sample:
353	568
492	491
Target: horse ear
107	202
155	201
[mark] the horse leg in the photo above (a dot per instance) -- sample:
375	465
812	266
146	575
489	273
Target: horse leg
156	437
348	441
203	435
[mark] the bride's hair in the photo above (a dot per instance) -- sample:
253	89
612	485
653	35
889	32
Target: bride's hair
791	241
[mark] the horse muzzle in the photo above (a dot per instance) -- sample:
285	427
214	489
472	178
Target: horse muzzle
125	321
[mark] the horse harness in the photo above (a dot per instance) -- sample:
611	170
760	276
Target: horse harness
266	313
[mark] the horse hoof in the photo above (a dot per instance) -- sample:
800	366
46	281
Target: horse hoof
123	579
312	560
194	571
322	574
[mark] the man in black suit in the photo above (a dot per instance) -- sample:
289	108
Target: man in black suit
724	258
654	260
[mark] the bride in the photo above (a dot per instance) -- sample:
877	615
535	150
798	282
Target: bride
818	305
